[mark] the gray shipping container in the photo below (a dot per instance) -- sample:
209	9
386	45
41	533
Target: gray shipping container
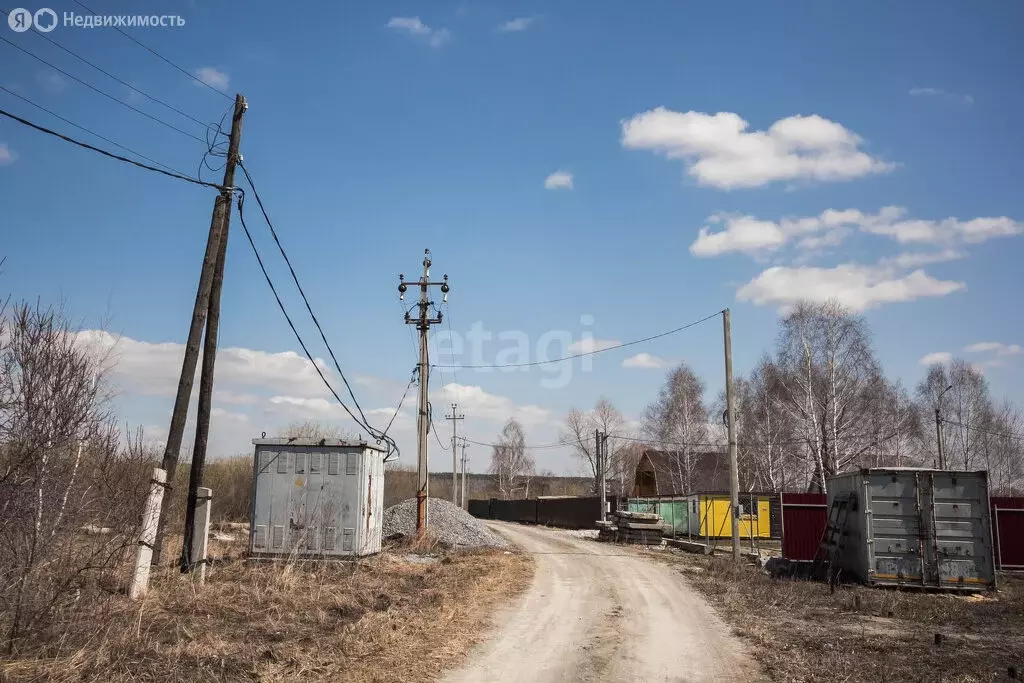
916	527
316	498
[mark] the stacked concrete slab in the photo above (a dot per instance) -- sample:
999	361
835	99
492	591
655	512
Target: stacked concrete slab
641	528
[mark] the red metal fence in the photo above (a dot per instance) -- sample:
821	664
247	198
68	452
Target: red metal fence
1008	530
804	518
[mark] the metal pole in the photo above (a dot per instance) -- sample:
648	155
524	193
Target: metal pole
603	450
218	226
730	408
464	447
938	438
455	417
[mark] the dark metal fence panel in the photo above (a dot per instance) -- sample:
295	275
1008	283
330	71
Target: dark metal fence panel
524	511
569	513
480	509
1008	530
804	518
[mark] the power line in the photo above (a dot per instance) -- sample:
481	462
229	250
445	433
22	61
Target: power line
105	94
412	380
104	152
83	128
110	75
151	50
588	353
298	337
1002	435
305	299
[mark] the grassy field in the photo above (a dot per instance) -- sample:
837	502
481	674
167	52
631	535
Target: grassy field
399	616
801	632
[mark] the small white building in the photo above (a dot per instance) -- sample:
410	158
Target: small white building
316	498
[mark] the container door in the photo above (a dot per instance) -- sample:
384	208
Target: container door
961	555
896	541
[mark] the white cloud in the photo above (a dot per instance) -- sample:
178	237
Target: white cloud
890	222
153	368
413	26
515	25
559	180
235	398
7	155
936	358
646	361
227	415
591	345
479	404
939	92
755	237
998	348
856	286
909	260
213	77
719	151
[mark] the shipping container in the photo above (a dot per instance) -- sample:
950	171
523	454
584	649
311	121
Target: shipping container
316	498
914	527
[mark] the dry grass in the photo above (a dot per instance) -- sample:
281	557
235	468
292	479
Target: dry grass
398	616
799	632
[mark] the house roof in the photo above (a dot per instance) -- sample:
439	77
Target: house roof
709	470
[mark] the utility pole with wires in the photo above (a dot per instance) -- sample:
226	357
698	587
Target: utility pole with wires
210	280
601	455
465	445
730	417
455	417
423	321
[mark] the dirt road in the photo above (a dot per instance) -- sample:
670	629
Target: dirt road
598	612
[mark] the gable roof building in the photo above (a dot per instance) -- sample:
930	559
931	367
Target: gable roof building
675	473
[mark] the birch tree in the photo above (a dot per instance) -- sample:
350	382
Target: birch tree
678	419
580	430
511	463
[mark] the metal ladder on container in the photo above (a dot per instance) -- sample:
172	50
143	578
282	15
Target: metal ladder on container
833	541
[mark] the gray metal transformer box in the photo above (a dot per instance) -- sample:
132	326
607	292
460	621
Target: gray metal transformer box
916	527
316	498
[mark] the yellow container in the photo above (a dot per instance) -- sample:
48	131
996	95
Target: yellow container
716	519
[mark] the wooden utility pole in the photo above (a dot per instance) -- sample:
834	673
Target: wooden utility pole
455	417
423	321
730	416
195	479
602	454
200	311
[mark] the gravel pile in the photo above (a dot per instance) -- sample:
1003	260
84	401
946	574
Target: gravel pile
453	525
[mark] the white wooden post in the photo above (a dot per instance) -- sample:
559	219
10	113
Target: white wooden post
201	532
147	535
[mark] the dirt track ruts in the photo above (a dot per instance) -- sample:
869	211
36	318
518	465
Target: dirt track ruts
598	612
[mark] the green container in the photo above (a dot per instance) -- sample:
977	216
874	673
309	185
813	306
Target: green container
674	511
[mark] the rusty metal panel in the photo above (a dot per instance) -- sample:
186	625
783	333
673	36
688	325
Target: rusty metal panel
1008	529
804	518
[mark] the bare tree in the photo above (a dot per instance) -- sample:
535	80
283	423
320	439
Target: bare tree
826	367
580	429
679	419
511	463
314	429
61	469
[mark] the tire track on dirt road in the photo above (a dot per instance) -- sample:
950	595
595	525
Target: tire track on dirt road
596	612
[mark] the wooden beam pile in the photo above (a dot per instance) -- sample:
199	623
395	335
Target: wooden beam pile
642	528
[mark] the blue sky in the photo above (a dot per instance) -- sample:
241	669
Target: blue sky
378	129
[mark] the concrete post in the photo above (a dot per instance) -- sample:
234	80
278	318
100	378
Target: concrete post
147	535
201	532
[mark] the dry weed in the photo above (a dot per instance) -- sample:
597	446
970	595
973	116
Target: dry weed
383	618
801	632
